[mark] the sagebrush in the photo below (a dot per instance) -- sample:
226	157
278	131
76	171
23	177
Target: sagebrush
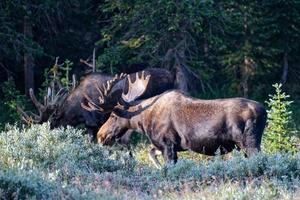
40	163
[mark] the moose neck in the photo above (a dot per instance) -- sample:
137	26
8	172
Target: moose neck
138	114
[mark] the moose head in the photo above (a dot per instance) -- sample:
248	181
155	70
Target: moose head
52	102
108	132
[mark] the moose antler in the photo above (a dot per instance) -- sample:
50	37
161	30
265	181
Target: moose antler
136	88
51	102
104	93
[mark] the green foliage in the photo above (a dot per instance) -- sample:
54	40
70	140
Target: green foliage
58	73
60	28
216	38
12	98
233	45
66	68
138	33
279	134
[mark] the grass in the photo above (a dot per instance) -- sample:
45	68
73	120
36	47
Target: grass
40	163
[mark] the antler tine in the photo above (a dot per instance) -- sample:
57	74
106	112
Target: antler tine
58	98
91	105
26	118
52	89
104	92
136	88
109	85
47	98
37	104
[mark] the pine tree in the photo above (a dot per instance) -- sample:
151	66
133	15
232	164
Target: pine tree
279	134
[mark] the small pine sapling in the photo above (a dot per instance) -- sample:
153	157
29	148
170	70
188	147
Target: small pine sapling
279	134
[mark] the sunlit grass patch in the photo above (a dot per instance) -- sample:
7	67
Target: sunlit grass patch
141	154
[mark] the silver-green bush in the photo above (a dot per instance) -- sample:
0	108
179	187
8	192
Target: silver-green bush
40	163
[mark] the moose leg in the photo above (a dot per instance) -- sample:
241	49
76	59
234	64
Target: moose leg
169	153
92	132
253	136
124	141
154	152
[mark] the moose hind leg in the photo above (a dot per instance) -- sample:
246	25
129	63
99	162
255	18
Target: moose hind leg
252	135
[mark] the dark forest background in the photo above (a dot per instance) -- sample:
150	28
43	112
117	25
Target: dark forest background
220	49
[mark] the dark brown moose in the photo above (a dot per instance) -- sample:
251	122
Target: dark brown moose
175	122
63	109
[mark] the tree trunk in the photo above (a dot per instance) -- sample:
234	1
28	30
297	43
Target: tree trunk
247	64
205	48
28	58
181	79
246	71
285	68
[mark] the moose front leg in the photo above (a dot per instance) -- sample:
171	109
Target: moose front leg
154	152
167	149
92	132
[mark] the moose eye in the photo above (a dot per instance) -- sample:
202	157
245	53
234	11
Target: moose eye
113	116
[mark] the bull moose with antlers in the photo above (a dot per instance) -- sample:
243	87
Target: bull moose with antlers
65	108
175	122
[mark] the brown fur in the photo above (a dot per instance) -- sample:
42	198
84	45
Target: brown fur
176	122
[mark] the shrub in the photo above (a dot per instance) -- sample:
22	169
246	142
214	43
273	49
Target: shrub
38	163
40	147
279	134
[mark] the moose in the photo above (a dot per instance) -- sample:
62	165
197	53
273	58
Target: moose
176	122
65	108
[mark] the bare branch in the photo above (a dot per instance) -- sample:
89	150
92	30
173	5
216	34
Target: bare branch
86	63
74	82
